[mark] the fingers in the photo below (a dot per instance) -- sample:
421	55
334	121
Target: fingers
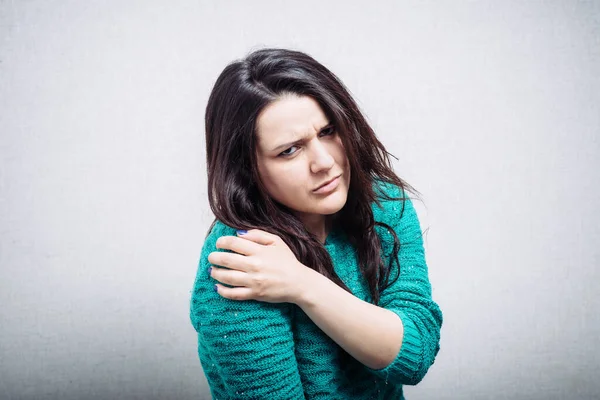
237	244
229	260
229	276
259	236
246	243
238	293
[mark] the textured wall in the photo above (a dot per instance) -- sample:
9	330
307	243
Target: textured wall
492	108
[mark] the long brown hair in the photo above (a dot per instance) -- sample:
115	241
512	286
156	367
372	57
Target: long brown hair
236	194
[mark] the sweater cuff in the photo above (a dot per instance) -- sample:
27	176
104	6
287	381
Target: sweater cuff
409	359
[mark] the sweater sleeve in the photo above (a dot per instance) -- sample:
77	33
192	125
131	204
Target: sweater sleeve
409	297
246	347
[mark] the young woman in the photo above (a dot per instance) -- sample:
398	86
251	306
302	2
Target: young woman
312	281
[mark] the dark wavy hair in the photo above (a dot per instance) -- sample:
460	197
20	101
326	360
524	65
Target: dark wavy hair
236	194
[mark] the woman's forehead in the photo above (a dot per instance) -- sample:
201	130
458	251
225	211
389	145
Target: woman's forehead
288	119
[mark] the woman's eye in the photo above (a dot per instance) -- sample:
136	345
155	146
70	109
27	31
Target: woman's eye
286	152
328	131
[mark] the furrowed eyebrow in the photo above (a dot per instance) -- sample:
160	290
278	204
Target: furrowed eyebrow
286	145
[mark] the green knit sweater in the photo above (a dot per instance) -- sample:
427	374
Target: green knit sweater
259	350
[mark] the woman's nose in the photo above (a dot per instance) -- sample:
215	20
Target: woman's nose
321	159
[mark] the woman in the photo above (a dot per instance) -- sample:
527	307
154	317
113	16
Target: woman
312	282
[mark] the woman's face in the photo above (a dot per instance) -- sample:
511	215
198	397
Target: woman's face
298	151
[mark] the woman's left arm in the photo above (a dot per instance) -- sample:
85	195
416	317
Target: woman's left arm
397	340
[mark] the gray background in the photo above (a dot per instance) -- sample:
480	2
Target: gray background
493	109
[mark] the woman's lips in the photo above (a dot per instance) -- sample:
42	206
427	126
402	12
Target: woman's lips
330	187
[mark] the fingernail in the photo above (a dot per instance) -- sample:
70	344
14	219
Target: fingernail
216	288
209	270
242	232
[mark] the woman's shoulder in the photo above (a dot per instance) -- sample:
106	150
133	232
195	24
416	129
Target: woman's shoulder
395	209
389	201
215	231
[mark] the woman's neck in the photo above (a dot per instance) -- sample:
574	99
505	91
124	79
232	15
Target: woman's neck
318	225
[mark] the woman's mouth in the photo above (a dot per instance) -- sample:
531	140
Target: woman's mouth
328	187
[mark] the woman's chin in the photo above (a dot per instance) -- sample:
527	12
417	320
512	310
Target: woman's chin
331	204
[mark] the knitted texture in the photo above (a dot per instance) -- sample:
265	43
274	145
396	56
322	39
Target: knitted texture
258	350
